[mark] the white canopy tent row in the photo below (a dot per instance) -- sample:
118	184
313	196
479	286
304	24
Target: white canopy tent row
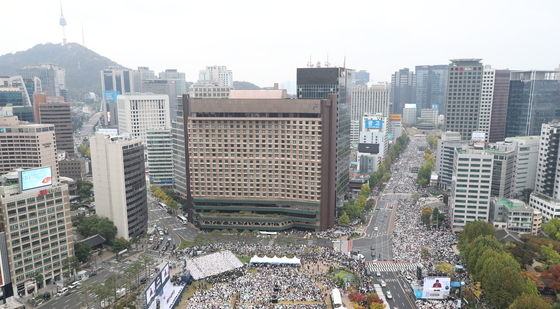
274	260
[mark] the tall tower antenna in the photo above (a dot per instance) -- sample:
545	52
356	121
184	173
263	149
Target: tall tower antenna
62	23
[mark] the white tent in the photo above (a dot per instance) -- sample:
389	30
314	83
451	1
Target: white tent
274	260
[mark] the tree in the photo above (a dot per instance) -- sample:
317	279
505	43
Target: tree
534	276
474	229
71	264
101	291
344	219
82	251
120	244
85	150
39	279
112	284
552	228
526	301
426	215
550	255
552	276
445	268
92	225
365	190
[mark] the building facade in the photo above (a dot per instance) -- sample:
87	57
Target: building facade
471	188
514	215
527	154
409	113
403	90
159	151
498	117
431	84
320	83
261	164
179	153
367	100
38	231
119	183
534	99
52	110
142	112
216	75
25	145
463	96
372	144
75	168
53	78
445	158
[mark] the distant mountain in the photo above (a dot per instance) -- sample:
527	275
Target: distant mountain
241	85
82	65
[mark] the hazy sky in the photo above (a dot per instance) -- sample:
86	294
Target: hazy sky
265	41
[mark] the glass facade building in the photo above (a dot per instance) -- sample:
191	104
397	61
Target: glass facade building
534	99
319	83
431	84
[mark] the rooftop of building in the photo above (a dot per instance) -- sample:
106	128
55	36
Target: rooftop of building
546	197
536	137
513	204
238	106
259	94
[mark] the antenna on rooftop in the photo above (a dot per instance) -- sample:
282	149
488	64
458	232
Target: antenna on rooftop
310	62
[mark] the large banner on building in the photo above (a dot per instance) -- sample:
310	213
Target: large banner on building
374	124
436	287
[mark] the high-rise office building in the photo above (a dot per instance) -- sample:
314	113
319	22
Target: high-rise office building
409	113
445	158
498	118
372	144
361	78
74	167
546	196
493	103
115	81
36	227
140	75
119	183
527	154
216	75
178	78
163	86
471	188
159	154
534	99
463	96
53	110
320	83
403	90
261	164
16	96
367	100
25	145
143	112
179	153
503	168
53	78
431	84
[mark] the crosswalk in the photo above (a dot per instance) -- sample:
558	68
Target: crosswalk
391	266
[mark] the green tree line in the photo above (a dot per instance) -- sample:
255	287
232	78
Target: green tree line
498	272
425	172
353	208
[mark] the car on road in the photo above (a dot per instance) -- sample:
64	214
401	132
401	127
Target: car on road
62	292
389	295
378	274
376	229
408	277
383	284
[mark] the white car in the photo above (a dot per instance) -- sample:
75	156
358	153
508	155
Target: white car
383	284
375	229
389	295
62	292
378	274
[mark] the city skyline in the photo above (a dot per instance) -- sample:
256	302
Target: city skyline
373	38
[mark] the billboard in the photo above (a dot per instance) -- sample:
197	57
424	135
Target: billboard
373	124
157	285
35	178
395	117
435	107
478	136
110	96
436	287
368	148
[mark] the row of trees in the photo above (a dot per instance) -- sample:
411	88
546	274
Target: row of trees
106	291
383	173
498	272
425	172
167	196
363	301
354	208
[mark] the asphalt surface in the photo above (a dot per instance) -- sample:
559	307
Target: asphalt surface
376	245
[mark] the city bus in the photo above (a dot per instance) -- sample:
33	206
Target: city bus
336	299
182	219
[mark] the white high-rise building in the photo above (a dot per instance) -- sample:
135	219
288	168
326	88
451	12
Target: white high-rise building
370	100
372	143
216	75
486	99
119	183
445	157
527	149
409	113
471	188
159	150
142	112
